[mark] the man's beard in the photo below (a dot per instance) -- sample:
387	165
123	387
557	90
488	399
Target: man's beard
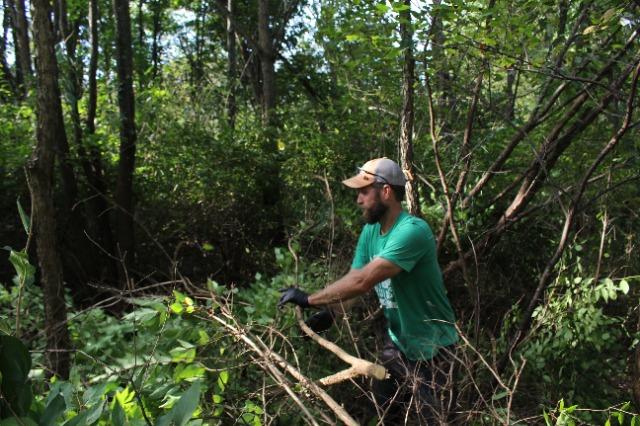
375	213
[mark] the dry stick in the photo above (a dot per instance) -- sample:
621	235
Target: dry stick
266	356
605	225
269	357
359	366
547	273
516	380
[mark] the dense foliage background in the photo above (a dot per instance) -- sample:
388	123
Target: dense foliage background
246	117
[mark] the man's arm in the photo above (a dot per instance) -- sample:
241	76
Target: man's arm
355	283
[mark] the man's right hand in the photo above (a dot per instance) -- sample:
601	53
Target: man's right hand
295	296
320	321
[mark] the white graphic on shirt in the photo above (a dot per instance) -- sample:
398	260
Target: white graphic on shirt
385	294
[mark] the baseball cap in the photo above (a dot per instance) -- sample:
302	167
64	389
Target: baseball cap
381	170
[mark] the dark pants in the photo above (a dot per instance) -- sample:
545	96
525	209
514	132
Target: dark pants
416	392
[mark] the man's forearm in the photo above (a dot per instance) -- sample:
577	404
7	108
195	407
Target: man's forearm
349	286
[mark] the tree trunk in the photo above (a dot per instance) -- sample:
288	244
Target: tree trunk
232	65
271	184
49	114
7	75
267	59
406	120
126	164
157	31
93	166
22	51
141	54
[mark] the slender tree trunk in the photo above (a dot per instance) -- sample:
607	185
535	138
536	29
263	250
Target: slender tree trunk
93	66
70	36
49	114
93	166
157	31
406	120
7	75
251	71
232	66
124	186
267	59
21	37
142	54
511	92
271	184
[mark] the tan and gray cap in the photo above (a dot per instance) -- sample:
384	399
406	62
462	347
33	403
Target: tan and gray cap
381	170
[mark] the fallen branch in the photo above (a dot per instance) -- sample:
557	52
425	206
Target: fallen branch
272	360
359	366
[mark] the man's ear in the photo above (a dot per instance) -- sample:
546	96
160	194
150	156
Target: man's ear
387	192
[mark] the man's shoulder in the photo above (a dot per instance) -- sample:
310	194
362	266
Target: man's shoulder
414	224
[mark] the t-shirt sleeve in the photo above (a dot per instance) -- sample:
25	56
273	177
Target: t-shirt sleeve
408	245
360	258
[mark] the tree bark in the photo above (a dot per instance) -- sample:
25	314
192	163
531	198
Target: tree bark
406	120
7	75
22	51
93	167
126	164
232	66
271	183
40	167
267	59
141	54
157	31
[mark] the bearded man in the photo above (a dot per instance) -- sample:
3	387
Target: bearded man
395	256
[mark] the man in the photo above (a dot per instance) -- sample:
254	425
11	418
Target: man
395	255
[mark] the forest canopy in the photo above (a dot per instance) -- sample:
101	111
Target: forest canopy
167	166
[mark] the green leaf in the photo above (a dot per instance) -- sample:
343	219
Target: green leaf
188	371
399	7
182	354
15	363
609	14
53	410
499	395
118	416
382	8
18	421
94	393
177	308
94	413
589	30
26	222
624	286
183	409
20	262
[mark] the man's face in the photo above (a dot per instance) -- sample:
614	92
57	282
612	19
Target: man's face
370	202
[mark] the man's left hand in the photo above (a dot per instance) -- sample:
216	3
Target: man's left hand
295	296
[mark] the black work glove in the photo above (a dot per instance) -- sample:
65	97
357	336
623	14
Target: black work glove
295	296
320	321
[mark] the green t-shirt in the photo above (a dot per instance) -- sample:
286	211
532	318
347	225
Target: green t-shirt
419	316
